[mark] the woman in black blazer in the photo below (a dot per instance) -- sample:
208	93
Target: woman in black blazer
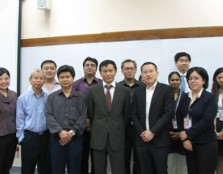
217	89
196	124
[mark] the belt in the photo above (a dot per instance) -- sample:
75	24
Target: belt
36	133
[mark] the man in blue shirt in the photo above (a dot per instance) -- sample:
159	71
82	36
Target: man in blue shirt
31	127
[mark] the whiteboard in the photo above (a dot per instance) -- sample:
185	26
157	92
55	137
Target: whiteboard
206	52
9	17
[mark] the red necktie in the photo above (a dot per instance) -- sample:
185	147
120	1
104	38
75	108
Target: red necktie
108	96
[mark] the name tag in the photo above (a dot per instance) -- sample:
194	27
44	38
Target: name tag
187	122
174	123
220	113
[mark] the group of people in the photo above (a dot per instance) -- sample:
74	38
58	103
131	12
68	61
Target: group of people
167	128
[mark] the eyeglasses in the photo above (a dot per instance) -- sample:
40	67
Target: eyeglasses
129	69
90	65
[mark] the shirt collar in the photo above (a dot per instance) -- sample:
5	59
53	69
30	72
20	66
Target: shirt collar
113	84
152	87
198	96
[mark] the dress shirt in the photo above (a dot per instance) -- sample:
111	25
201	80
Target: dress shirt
66	113
149	95
82	86
30	113
112	89
56	86
7	113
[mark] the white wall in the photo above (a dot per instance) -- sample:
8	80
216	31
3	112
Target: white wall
9	10
74	17
205	52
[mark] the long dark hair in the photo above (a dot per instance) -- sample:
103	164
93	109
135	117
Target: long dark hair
215	86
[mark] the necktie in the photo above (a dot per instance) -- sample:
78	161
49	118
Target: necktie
108	96
183	83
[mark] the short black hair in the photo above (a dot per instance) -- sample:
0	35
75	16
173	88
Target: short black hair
202	72
65	68
181	54
3	71
92	60
48	61
106	63
149	63
129	60
173	73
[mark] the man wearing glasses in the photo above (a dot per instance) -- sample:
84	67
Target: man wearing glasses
129	68
82	85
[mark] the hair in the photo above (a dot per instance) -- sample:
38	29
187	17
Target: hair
4	71
149	63
173	73
37	70
48	61
202	72
66	68
128	60
181	54
106	63
215	86
92	60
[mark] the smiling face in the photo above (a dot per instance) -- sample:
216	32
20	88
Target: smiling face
49	70
90	68
175	81
149	75
4	82
195	82
108	73
183	64
219	79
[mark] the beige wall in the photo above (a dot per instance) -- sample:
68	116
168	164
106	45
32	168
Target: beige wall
75	17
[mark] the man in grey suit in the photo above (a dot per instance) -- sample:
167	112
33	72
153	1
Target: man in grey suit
108	120
151	114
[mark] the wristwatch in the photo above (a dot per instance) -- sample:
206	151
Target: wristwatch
72	132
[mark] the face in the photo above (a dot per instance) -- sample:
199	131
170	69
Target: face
219	80
149	74
90	68
108	73
174	81
129	70
183	64
37	80
49	70
195	82
66	80
4	81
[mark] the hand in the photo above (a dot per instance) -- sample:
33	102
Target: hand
174	135
65	137
188	145
147	135
219	135
183	135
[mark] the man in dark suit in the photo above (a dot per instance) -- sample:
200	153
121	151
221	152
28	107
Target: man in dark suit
152	111
108	121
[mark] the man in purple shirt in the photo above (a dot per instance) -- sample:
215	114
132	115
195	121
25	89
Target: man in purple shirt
82	85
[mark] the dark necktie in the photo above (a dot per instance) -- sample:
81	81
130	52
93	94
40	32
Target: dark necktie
108	96
183	83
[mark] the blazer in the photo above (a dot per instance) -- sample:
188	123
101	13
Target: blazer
160	113
203	112
108	124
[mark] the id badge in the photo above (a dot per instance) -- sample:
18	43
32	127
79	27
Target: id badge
187	122
174	123
220	114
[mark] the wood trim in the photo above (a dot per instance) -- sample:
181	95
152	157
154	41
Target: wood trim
127	36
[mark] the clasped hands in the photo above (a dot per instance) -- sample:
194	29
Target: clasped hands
65	137
147	135
186	142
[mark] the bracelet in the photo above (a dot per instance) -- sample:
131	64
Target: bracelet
185	139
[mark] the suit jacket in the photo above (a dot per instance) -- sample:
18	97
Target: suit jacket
108	124
202	111
160	113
